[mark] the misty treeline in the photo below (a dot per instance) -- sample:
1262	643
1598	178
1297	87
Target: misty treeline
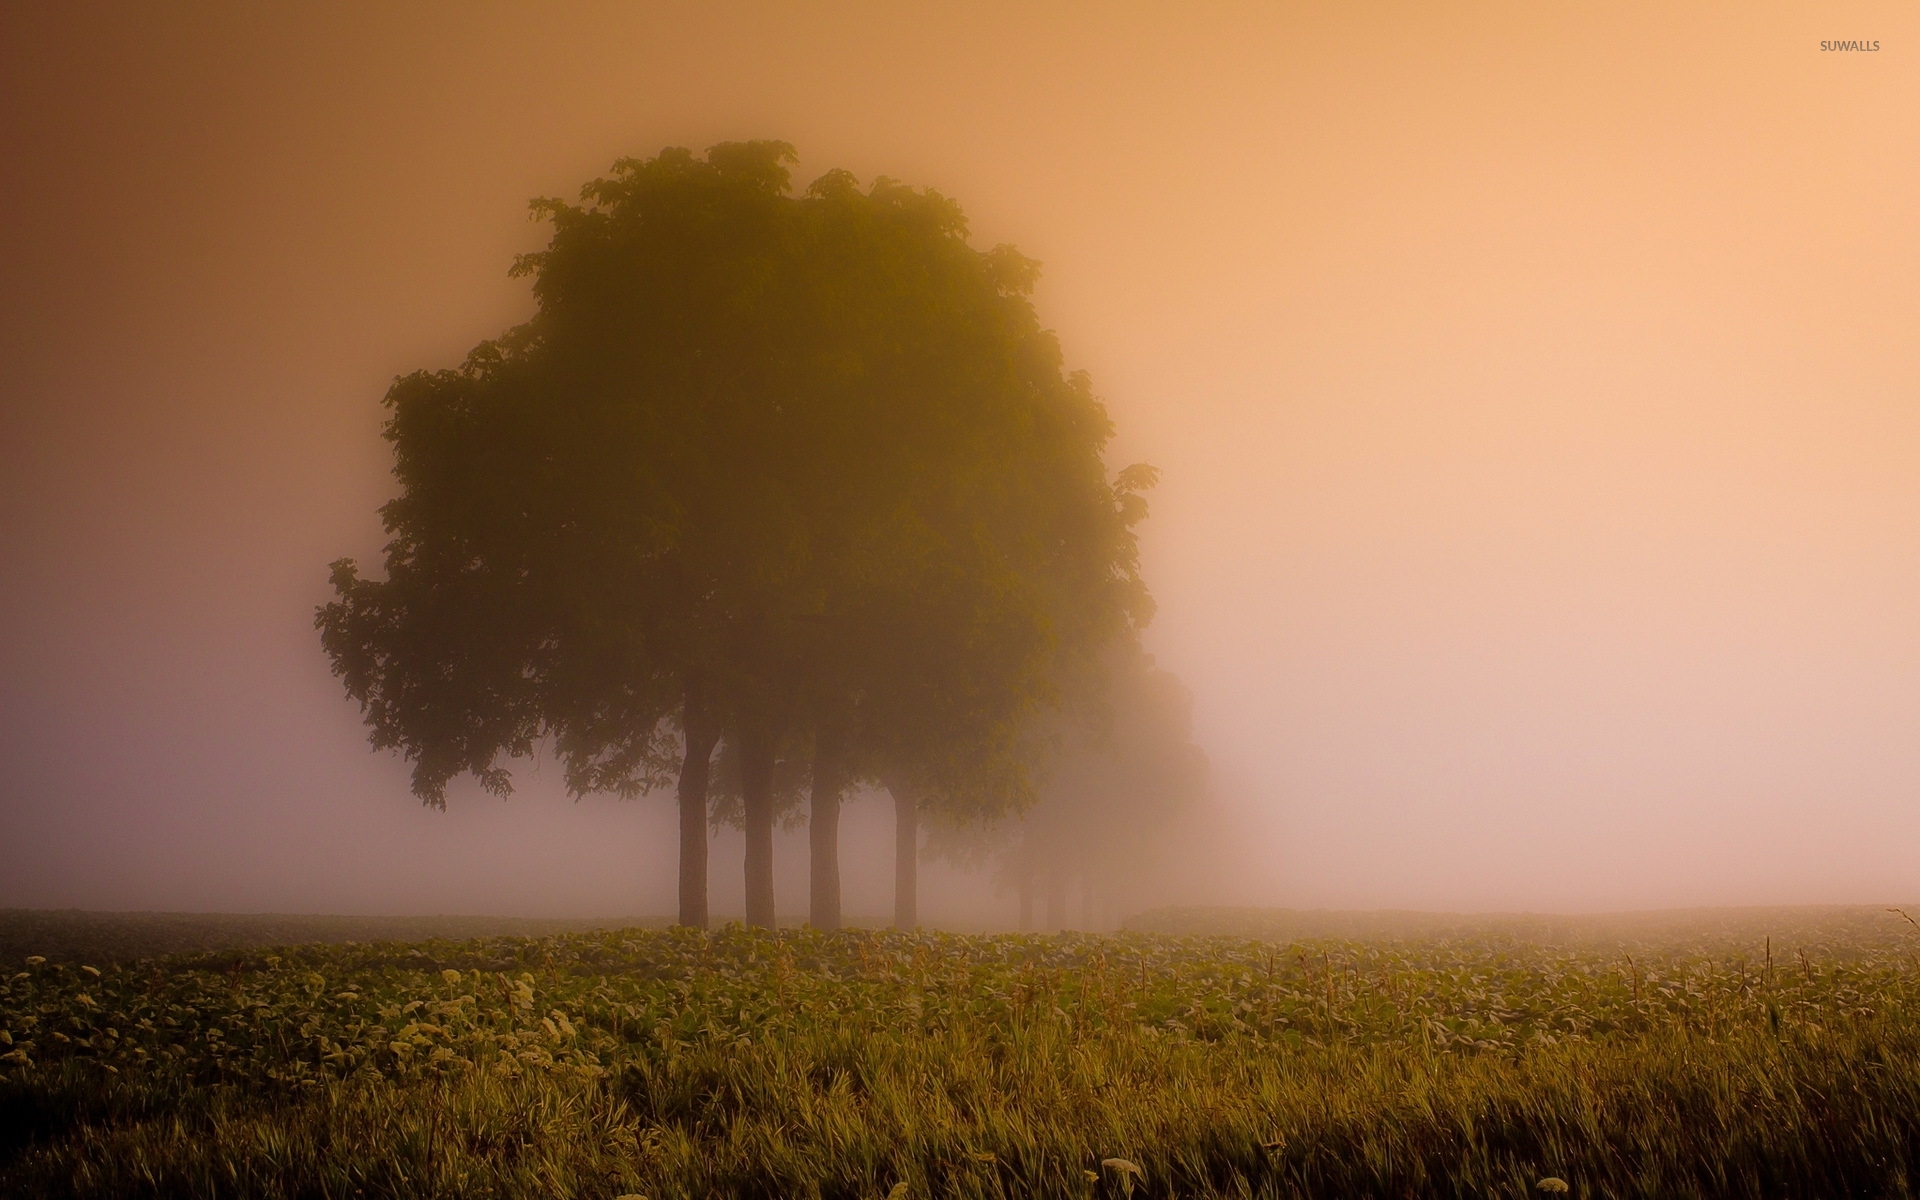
777	496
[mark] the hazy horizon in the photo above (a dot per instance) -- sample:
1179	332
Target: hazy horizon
1536	391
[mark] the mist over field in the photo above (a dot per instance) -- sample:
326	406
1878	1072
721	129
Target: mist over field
1535	392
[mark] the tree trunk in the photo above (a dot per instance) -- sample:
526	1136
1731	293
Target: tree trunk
1056	901
1086	904
823	828
906	858
756	787
1025	883
700	734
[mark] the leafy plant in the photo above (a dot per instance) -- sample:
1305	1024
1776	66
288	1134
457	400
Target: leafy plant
742	1062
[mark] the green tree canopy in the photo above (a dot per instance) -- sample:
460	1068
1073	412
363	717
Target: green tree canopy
759	464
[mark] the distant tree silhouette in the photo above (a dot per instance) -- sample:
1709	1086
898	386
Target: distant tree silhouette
1120	784
779	470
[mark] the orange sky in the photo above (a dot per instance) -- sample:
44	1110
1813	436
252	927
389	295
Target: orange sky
1537	388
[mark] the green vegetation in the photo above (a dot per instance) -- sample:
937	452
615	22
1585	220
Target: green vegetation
751	1063
75	936
1844	930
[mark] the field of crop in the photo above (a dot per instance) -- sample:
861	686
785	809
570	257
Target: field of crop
667	1063
97	938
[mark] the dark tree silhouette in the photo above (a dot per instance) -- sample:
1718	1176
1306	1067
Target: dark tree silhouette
762	468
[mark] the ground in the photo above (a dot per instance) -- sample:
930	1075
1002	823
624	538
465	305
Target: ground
1757	1053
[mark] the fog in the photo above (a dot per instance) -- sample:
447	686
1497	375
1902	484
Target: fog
1536	390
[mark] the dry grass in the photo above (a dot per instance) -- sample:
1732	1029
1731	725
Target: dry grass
667	1064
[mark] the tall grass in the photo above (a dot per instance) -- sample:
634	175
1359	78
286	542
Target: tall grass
762	1065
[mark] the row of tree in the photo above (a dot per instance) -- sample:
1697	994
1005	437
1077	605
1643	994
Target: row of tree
1122	791
798	477
1120	795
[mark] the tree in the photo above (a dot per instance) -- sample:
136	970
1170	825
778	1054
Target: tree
1120	785
560	549
762	466
951	744
955	533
